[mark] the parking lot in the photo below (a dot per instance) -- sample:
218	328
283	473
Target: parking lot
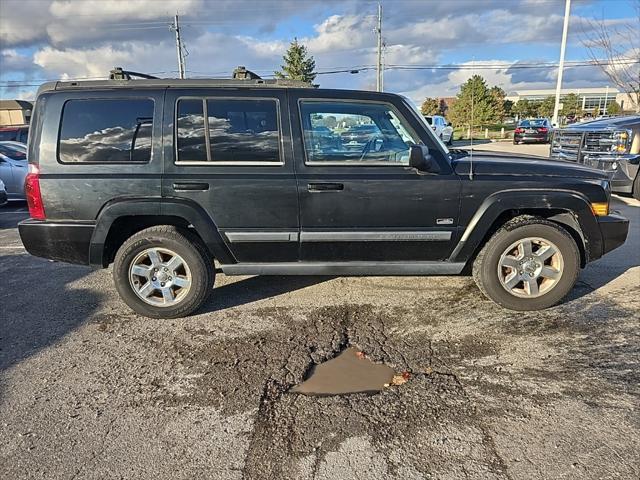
89	390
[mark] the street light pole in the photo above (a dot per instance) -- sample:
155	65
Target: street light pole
176	28
565	30
379	70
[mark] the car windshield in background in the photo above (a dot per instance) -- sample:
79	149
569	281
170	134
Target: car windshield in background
15	153
532	123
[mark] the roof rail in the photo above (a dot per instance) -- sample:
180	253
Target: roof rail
119	74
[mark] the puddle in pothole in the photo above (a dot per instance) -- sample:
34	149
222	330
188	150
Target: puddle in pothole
349	372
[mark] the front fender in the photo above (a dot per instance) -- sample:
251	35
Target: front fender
528	201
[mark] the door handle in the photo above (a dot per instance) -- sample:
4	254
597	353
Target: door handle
325	187
190	186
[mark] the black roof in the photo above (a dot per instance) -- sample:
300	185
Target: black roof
175	83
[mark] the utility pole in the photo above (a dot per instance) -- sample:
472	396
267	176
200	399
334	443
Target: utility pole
565	30
379	71
606	99
176	28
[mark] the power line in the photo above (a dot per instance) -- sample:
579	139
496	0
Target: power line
361	68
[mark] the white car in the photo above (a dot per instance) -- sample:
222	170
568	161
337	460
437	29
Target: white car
440	127
13	169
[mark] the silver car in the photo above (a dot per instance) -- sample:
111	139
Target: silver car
13	168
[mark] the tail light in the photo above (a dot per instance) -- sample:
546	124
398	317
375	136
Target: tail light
543	130
519	130
32	191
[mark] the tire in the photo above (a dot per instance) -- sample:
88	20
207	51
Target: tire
565	265
636	187
172	246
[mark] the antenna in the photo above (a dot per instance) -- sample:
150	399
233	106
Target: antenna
472	118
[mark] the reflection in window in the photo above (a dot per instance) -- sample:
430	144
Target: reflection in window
243	130
190	136
350	131
106	130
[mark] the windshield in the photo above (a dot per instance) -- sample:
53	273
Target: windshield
424	121
538	122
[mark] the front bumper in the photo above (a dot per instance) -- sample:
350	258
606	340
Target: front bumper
66	242
622	169
614	229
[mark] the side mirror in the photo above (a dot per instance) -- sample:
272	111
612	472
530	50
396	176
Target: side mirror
421	159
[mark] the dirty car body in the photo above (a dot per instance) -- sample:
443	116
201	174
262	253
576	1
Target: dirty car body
232	171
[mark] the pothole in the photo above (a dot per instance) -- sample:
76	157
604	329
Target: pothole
349	372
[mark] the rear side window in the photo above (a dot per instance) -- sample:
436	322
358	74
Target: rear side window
106	131
235	131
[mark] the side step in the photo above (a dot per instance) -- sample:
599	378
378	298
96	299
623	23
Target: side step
344	268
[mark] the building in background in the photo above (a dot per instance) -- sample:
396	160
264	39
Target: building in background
15	112
593	99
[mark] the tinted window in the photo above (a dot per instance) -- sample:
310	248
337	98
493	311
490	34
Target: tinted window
108	130
243	130
191	142
357	132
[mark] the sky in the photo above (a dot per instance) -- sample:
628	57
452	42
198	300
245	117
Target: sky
499	39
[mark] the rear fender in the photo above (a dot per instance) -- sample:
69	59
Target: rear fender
191	212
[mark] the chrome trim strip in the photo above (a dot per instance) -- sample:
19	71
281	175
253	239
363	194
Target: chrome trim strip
239	237
345	268
359	236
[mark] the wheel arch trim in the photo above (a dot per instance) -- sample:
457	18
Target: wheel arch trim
191	212
575	213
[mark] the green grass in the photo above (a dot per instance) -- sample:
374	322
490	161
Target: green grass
479	132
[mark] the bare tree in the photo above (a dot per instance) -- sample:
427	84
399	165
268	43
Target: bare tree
615	48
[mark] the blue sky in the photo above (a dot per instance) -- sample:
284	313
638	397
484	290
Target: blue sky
51	39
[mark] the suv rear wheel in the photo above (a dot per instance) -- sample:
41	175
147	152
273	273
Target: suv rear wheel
163	272
529	264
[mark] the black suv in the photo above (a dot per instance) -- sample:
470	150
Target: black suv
162	177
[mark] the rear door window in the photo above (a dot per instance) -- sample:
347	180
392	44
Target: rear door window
236	131
106	131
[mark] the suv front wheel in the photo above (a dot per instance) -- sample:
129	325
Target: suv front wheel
163	272
529	264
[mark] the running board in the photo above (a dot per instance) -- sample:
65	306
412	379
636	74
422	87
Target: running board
344	268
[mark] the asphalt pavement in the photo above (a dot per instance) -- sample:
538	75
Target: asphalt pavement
89	390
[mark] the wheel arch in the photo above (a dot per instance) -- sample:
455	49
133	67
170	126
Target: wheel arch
119	219
569	209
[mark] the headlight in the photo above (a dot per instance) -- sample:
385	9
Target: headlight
621	141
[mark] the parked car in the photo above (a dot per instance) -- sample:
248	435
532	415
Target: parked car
161	177
441	127
18	133
611	145
359	135
13	168
537	130
3	194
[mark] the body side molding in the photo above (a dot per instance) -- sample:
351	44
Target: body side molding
344	268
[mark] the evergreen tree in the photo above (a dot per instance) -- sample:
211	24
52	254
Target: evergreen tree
298	64
474	105
430	106
498	95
